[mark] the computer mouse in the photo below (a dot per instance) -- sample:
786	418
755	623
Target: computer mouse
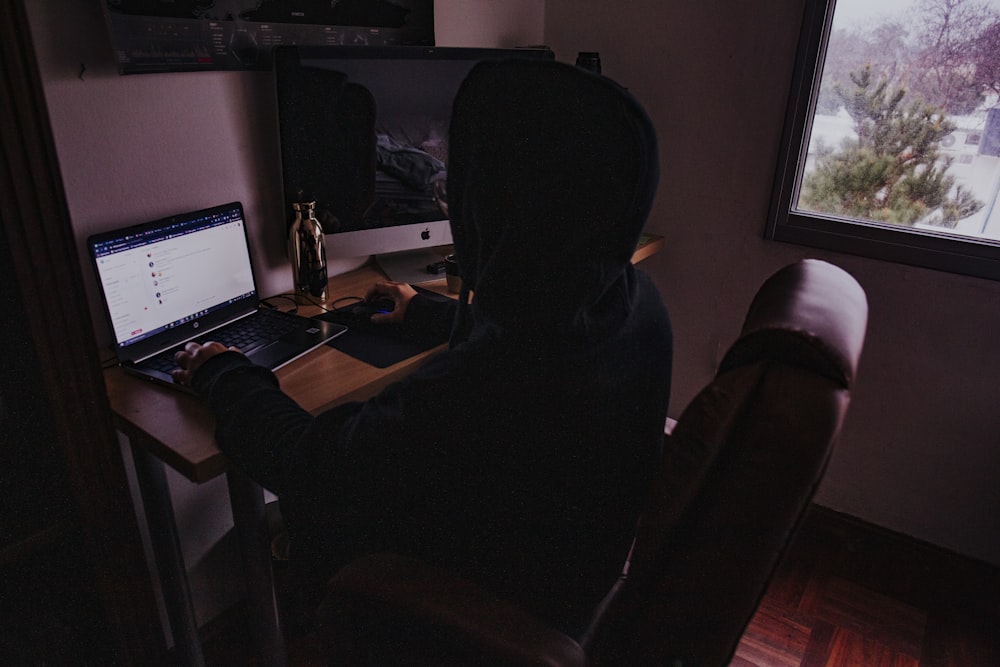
381	305
363	310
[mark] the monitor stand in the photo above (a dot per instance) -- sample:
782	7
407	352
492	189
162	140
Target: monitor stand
410	266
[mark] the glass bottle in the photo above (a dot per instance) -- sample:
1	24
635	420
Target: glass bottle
307	252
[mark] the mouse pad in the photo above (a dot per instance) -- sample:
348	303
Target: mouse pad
379	345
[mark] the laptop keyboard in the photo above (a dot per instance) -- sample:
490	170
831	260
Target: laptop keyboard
250	332
246	334
163	362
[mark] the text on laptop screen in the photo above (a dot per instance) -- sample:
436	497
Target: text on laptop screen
165	276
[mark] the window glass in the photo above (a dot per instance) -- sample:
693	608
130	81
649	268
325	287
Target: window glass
894	130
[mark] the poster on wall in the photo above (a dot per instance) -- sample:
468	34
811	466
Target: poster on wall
194	35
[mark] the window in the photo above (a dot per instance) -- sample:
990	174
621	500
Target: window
891	146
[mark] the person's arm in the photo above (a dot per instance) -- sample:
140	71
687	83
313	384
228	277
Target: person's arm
257	424
416	313
261	429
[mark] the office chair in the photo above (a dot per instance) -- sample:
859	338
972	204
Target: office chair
739	467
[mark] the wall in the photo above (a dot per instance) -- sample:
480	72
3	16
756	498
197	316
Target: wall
135	148
919	450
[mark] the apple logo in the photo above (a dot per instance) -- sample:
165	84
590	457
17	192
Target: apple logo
426	234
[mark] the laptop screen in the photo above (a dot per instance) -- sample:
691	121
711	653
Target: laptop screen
161	275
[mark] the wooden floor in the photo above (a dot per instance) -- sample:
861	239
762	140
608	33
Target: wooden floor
847	594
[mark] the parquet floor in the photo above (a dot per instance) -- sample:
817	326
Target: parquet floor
851	594
847	594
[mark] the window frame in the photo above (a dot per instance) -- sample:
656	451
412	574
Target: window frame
887	242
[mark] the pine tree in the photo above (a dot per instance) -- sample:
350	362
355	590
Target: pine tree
893	171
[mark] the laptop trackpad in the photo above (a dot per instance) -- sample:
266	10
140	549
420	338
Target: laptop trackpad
275	354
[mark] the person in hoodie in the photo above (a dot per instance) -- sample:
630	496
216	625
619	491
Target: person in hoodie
520	456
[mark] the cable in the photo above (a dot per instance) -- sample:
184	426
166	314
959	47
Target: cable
295	298
345	298
295	307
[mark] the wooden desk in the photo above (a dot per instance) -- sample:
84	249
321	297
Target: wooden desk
168	427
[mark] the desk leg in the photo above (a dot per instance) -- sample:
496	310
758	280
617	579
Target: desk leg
247	500
152	478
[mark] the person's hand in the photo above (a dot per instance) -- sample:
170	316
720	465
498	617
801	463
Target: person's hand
192	357
399	293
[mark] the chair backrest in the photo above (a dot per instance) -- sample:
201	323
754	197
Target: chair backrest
738	471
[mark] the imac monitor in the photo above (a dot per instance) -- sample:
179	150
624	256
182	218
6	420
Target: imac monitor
364	134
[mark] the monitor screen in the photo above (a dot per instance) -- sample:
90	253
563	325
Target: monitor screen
174	276
364	134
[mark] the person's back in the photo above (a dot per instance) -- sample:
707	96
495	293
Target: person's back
559	455
521	455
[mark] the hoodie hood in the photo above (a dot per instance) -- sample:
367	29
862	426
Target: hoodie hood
551	175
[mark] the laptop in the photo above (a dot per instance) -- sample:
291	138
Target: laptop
189	277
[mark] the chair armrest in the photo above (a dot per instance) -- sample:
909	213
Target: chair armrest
373	594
